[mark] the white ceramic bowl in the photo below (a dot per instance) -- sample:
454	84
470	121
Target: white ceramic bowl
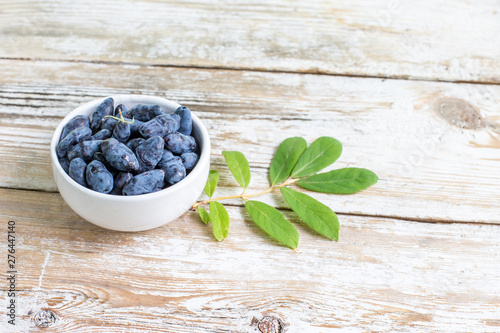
139	212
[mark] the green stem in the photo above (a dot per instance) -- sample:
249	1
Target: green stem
122	119
244	197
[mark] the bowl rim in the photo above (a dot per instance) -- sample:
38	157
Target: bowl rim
145	99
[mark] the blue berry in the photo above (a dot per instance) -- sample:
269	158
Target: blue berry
105	144
174	170
101	135
160	125
144	183
77	169
108	124
186	123
189	160
106	108
179	143
149	153
134	143
64	161
119	156
99	156
85	150
126	113
77	135
143	167
121	131
121	179
120	108
134	127
77	121
145	112
167	156
161	185
98	177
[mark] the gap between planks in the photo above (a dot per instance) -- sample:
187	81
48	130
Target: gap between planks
249	69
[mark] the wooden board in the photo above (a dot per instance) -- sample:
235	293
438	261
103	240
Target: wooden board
430	167
177	278
431	40
253	72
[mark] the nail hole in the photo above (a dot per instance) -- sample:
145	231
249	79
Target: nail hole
269	324
44	318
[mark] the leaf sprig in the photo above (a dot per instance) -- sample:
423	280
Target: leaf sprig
293	164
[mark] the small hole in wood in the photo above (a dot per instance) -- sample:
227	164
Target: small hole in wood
270	324
44	318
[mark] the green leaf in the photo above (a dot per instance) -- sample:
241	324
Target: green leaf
315	214
213	179
341	181
220	220
273	223
205	217
286	157
238	165
320	154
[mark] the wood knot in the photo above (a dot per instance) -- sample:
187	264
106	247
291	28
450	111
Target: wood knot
44	318
270	324
459	113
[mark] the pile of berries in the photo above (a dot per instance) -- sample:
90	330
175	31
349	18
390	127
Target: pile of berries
128	151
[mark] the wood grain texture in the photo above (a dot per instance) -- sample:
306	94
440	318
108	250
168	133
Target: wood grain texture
177	278
250	72
430	168
432	40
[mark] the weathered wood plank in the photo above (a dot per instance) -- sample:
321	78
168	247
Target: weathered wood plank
429	168
432	40
177	278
